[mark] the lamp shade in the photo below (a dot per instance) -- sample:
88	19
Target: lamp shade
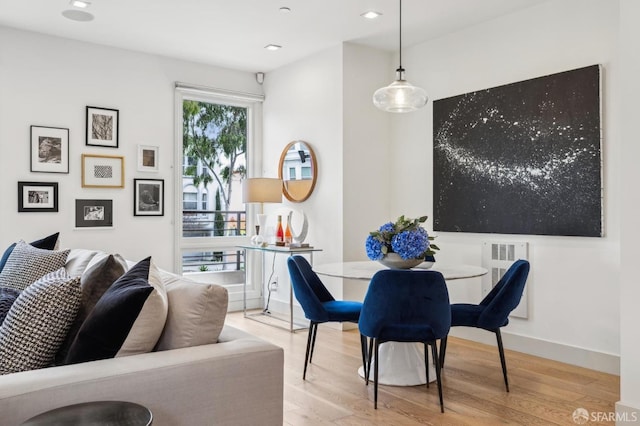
262	190
400	96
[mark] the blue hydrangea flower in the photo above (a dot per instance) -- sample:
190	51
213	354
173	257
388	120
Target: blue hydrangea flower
374	248
410	244
387	227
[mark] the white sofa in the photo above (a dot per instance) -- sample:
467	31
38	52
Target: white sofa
236	381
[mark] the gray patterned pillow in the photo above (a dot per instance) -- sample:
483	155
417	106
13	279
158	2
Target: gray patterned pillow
38	322
27	263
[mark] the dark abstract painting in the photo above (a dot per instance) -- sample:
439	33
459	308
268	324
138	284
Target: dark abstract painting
523	158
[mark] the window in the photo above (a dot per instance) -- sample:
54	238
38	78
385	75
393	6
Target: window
214	137
292	173
305	172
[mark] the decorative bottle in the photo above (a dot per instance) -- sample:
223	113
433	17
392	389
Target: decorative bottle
279	231
287	233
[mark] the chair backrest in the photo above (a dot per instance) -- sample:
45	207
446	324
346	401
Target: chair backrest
406	297
504	297
308	289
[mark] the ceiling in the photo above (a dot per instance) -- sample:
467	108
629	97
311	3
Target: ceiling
233	33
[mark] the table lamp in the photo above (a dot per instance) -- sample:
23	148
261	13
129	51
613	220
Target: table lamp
261	190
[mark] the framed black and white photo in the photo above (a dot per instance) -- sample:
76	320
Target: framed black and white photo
49	149
37	196
148	197
102	171
147	158
94	213
102	127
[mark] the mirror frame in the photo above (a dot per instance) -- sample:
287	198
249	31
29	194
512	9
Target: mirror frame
314	165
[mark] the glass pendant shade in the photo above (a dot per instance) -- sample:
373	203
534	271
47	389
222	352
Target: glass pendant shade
400	96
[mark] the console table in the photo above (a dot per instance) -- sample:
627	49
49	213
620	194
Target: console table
265	315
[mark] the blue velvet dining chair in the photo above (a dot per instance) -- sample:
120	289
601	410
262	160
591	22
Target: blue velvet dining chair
492	313
405	306
319	305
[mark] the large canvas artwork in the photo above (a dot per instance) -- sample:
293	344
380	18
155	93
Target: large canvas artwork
524	158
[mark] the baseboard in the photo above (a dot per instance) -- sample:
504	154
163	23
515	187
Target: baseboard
627	415
599	361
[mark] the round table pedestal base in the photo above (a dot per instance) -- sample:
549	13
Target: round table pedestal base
402	364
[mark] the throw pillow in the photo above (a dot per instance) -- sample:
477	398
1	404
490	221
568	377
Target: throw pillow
27	263
196	313
95	281
46	243
127	320
7	297
38	322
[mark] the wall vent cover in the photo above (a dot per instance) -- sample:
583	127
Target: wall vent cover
497	257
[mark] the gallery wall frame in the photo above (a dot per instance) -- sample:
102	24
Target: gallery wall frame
102	171
148	197
148	158
49	149
94	213
37	197
102	127
522	158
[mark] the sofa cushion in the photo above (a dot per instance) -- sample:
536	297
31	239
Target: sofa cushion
94	282
38	321
127	320
7	297
27	263
47	243
78	261
196	313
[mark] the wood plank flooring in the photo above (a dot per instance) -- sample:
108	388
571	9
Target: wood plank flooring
542	392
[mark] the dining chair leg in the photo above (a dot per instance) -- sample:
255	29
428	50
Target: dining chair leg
375	377
365	357
313	341
443	350
502	358
307	353
426	361
434	349
368	369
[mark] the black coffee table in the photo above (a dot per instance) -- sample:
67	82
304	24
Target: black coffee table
98	413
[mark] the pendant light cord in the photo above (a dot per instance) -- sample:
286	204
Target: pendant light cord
400	30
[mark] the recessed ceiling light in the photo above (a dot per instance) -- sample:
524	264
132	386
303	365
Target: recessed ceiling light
371	14
79	3
272	47
285	9
77	15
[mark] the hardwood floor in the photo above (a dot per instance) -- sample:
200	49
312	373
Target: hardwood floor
542	392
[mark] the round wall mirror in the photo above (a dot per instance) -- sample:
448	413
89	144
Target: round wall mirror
298	170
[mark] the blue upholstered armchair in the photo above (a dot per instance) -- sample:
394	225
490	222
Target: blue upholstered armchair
318	304
493	311
406	306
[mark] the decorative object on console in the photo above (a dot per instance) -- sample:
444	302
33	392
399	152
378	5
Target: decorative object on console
523	158
37	197
94	213
298	238
102	171
148	197
402	244
49	149
261	190
400	95
102	127
298	169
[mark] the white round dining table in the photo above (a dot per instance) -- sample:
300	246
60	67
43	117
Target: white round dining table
401	364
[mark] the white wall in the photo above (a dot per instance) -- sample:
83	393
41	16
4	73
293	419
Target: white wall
303	101
49	81
628	89
574	282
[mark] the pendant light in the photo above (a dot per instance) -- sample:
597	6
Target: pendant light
400	96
